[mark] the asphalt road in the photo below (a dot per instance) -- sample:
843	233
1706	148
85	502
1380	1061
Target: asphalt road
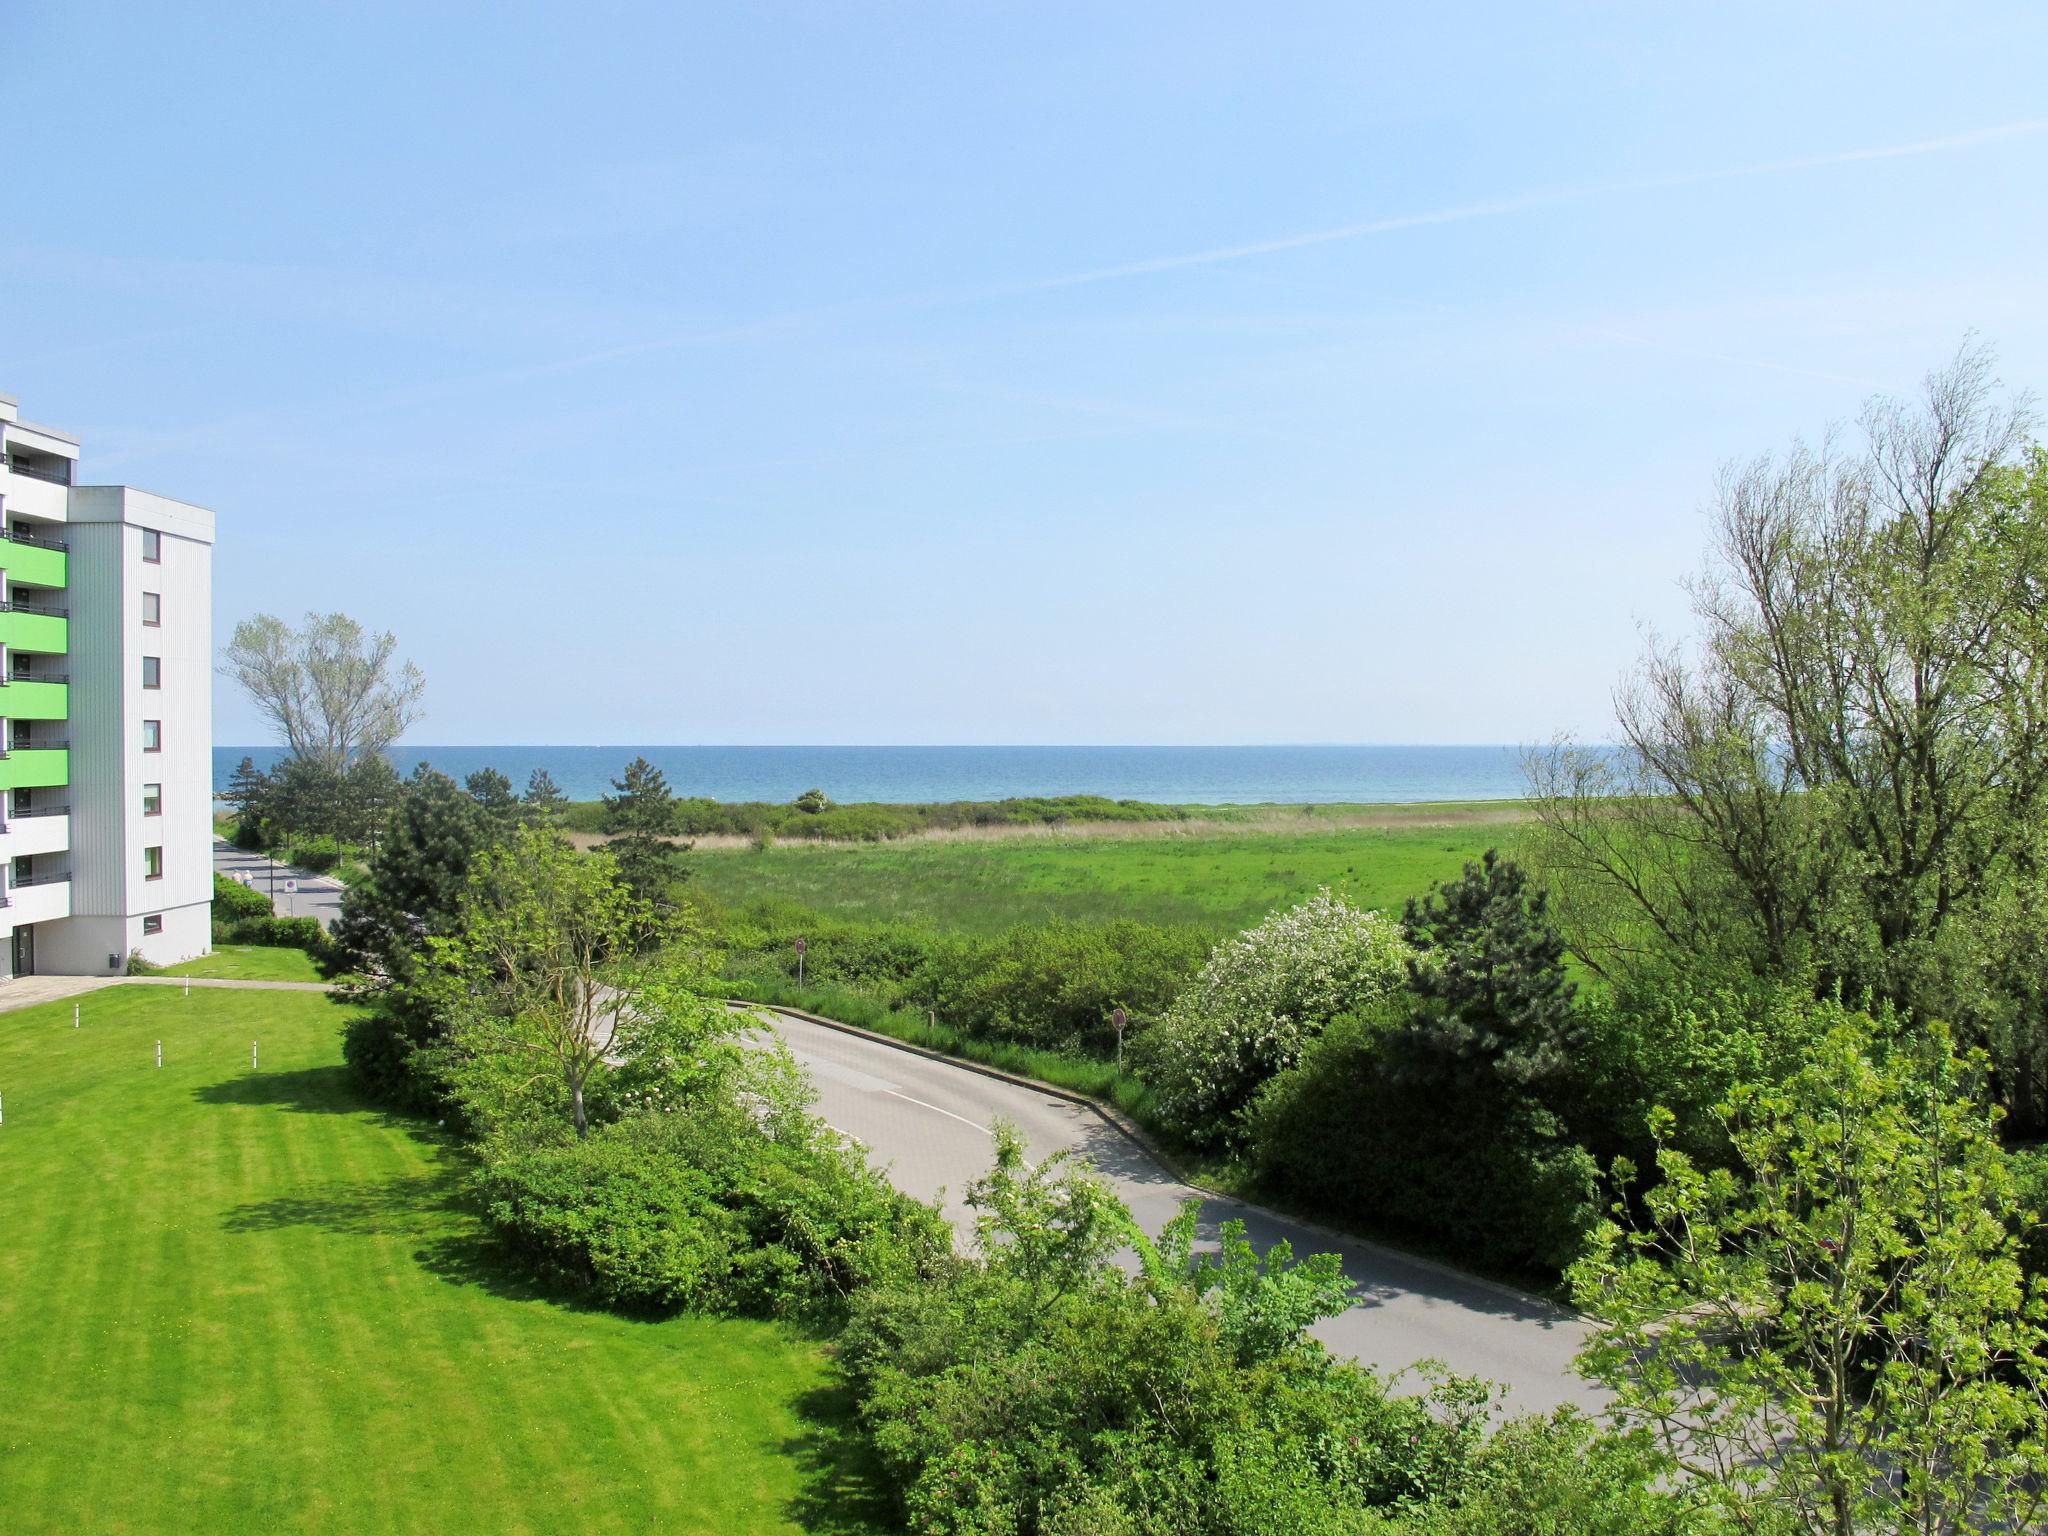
317	896
929	1122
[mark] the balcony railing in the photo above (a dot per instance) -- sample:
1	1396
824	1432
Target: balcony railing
23	882
45	609
16	536
35	677
35	746
37	471
35	810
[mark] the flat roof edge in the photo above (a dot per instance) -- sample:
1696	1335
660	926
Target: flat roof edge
38	427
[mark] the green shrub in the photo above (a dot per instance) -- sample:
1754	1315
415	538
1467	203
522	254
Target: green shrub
2029	1167
1055	985
319	854
251	836
1492	1182
138	966
1001	1396
1258	1002
708	1211
1559	1475
232	899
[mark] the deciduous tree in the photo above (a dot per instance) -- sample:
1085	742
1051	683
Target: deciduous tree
1845	778
1836	1329
556	970
332	689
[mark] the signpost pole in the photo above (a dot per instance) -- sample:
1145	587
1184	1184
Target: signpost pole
799	963
1119	1018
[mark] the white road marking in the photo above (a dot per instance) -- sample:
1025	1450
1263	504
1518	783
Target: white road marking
920	1103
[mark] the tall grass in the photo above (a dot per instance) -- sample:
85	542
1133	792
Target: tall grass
1086	1075
1222	880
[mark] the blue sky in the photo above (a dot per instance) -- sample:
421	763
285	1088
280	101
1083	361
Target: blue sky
1030	372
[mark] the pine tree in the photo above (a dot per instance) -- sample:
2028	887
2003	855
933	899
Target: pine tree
543	803
492	792
250	791
371	790
310	799
1496	1005
642	819
413	892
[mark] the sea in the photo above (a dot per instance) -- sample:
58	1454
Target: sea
1292	775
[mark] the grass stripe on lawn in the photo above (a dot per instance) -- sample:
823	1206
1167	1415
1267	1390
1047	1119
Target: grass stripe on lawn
246	1301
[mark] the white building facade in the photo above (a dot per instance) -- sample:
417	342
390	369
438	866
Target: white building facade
106	716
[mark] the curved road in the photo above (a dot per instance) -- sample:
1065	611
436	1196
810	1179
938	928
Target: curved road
317	896
928	1121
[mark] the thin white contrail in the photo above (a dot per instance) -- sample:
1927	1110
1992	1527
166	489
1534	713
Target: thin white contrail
1519	203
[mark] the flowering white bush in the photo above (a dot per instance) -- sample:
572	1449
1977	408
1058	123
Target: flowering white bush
1259	1001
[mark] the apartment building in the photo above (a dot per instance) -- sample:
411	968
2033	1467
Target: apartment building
106	716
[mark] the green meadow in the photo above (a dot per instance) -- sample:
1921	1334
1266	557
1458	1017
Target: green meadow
239	1300
1221	877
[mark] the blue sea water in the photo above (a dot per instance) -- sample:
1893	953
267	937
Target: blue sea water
1299	775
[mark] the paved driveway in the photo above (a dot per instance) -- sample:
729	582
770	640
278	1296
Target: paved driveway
317	896
929	1122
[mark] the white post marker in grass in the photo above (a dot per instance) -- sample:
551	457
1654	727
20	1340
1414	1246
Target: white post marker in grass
159	1053
74	1015
188	989
252	1055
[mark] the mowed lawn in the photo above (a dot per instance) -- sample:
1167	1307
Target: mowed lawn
1221	880
250	962
238	1300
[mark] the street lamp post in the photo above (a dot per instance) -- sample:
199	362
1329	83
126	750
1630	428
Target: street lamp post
799	962
1119	1018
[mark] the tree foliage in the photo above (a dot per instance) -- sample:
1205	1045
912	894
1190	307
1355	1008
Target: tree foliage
1489	974
494	796
332	689
543	804
556	972
1845	781
1836	1328
1258	1002
640	817
411	895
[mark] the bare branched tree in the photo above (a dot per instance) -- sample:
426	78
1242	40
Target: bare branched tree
333	690
1857	747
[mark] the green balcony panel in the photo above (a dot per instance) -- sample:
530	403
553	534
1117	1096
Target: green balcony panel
33	562
20	700
36	632
35	768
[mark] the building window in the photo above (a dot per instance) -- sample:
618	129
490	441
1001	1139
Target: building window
152	735
154	923
152	608
153	863
152	671
152	546
152	799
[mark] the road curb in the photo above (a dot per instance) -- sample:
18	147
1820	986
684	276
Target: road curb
1117	1121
